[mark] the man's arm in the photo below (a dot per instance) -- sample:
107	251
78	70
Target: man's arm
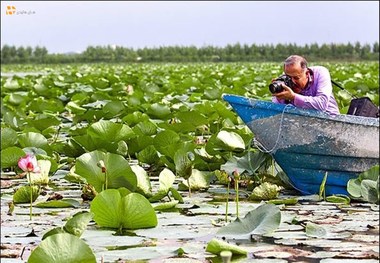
321	89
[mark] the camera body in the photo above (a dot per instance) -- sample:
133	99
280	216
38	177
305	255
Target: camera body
276	87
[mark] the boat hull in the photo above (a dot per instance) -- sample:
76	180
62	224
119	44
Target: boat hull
309	144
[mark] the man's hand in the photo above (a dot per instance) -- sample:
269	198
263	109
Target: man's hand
286	94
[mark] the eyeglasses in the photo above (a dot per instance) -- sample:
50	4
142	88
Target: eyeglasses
297	77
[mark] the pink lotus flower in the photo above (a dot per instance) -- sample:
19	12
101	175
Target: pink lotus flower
29	164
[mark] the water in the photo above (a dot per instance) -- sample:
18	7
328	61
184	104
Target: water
193	224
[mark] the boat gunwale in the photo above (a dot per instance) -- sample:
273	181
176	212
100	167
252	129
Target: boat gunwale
292	110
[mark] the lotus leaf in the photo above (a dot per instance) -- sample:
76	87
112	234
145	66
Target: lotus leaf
33	139
113	108
166	180
183	161
265	191
146	128
198	180
110	131
132	211
10	156
119	173
159	111
53	231
216	246
44	121
62	248
143	182
263	220
314	230
230	141
8	138
78	223
22	195
366	186
148	155
11	84
165	205
66	202
167	142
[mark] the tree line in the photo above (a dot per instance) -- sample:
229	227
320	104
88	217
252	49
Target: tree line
175	54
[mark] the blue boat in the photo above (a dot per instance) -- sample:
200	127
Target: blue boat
307	144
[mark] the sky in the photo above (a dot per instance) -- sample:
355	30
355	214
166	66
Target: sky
72	26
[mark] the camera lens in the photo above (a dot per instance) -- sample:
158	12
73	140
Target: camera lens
276	87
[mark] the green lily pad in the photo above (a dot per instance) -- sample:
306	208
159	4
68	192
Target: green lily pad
138	212
262	220
148	155
176	195
8	138
314	230
59	203
108	130
78	223
230	141
288	201
353	187
366	186
62	248
53	231
198	180
10	156
132	211
165	206
370	191
166	179
119	173
158	196
216	246
340	199
143	182
75	108
183	161
22	195
167	143
157	110
33	139
370	174
265	191
72	177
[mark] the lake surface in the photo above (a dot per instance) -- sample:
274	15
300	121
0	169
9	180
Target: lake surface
352	230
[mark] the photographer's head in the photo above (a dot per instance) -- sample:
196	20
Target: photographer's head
295	67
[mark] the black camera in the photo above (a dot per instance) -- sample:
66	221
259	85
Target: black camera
276	87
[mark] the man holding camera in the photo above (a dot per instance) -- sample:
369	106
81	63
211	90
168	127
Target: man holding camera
304	87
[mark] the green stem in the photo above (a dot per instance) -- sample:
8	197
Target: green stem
31	196
105	174
228	197
188	183
55	138
237	196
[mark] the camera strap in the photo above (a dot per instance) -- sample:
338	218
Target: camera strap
339	86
